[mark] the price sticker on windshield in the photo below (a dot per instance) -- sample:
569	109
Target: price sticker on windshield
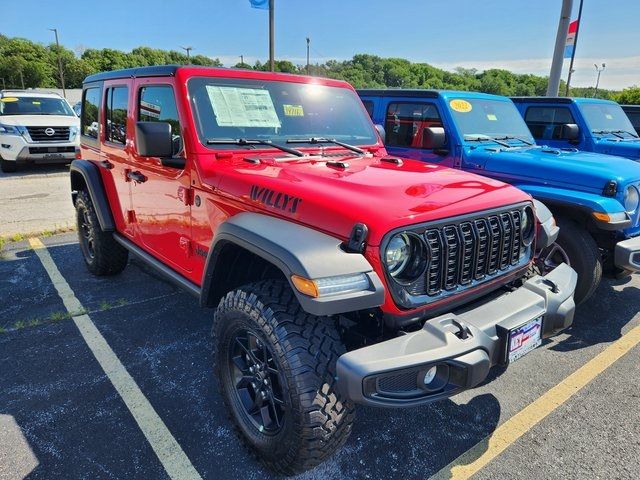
461	106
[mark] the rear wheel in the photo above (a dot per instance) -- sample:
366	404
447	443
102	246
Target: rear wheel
8	166
101	253
275	367
584	257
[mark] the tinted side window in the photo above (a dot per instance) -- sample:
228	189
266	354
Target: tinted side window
368	104
546	123
158	104
405	123
116	107
635	119
90	122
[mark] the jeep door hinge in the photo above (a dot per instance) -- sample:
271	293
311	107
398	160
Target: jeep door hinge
185	195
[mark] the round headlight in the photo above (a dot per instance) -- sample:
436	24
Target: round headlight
631	199
527	225
405	257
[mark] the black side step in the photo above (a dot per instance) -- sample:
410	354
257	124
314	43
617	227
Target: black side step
160	267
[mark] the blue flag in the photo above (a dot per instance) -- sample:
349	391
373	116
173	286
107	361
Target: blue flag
261	4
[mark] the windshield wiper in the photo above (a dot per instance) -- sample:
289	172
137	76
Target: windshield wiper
485	138
248	141
612	132
634	135
327	140
513	137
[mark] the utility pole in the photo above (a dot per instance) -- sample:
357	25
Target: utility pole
64	93
573	53
271	36
558	53
241	59
599	70
188	50
308	41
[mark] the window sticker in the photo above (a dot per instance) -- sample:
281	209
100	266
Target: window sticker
492	117
35	102
9	99
608	116
149	109
293	110
461	106
243	107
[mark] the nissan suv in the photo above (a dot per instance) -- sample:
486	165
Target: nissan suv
36	127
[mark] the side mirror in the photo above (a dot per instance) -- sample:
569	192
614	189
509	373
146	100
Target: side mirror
153	139
433	138
570	132
381	132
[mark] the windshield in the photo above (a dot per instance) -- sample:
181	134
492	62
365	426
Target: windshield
35	106
276	111
606	118
481	117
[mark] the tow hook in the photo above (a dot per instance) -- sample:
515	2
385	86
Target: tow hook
463	331
552	286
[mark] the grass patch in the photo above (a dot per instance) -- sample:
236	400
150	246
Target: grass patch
19	324
2	243
2	329
17	237
58	316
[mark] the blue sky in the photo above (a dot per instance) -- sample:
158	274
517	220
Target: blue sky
515	34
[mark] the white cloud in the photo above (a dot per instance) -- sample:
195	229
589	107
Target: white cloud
619	72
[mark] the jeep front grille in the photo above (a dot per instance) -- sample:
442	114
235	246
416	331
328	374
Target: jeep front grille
49	134
464	252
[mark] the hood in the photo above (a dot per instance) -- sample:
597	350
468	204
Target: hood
382	195
570	168
40	120
628	148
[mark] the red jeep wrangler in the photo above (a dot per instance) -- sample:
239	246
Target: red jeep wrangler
336	272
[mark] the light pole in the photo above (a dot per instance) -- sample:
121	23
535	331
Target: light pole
4	85
242	60
599	70
272	35
561	38
308	41
55	31
187	49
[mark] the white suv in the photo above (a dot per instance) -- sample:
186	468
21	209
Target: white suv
36	127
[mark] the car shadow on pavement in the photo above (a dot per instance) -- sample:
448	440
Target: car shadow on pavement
411	443
32	169
602	318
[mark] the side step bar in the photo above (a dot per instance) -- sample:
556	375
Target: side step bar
160	267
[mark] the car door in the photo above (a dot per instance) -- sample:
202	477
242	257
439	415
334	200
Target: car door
546	122
160	195
404	124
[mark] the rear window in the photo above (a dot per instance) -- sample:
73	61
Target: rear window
35	106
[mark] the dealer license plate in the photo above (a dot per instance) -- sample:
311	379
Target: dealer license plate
52	155
524	338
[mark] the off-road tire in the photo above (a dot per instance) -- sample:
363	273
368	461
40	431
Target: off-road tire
317	419
584	256
101	253
7	166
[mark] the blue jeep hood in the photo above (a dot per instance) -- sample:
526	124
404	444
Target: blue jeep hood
624	148
542	165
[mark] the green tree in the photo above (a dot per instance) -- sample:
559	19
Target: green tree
629	96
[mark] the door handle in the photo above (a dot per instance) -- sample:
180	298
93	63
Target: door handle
106	164
136	177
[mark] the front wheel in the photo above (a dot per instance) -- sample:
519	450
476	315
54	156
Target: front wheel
275	367
7	166
584	257
101	253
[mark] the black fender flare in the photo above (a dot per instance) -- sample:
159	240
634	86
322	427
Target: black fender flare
548	231
295	250
87	172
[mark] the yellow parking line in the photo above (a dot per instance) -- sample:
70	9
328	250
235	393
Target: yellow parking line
175	461
482	453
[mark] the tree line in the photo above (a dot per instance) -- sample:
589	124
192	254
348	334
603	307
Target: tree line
24	63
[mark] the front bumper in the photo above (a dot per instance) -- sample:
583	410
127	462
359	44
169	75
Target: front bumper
627	254
463	346
16	148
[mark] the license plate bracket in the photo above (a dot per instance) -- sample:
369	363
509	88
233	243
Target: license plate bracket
523	339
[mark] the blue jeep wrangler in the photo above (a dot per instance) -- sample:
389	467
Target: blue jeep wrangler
595	198
588	124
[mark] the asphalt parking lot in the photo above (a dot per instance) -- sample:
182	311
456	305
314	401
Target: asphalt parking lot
35	199
61	417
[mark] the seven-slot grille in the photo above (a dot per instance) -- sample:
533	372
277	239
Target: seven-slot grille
44	134
470	251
